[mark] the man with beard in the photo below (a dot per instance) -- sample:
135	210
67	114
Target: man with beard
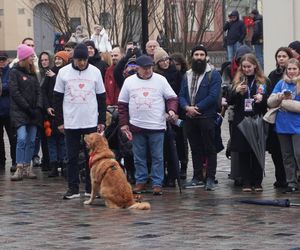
199	96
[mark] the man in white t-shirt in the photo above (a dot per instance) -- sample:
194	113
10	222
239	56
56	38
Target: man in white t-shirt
143	102
79	109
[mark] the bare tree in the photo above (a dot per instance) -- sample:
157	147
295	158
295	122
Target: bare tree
188	22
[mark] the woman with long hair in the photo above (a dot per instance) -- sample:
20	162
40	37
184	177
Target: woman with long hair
286	96
55	139
282	55
26	105
249	97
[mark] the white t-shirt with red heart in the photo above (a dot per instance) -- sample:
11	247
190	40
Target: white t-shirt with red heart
80	107
146	99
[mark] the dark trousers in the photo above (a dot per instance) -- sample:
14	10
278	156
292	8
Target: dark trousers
5	123
279	167
201	136
41	142
73	138
251	171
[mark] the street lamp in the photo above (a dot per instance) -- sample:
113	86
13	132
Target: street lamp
144	24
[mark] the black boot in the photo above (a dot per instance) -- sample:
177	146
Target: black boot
53	172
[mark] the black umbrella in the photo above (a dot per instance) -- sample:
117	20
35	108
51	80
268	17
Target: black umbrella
255	131
277	203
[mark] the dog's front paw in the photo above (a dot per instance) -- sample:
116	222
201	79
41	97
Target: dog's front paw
88	202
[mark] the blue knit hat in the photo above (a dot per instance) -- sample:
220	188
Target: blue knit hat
81	52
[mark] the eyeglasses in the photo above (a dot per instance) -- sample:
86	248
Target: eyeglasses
164	59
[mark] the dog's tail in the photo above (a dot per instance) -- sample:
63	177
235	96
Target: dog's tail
140	206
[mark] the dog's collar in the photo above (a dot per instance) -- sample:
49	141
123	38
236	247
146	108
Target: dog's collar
92	154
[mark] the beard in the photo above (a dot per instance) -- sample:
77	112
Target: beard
199	66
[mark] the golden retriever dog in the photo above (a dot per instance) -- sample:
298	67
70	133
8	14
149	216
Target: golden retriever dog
107	177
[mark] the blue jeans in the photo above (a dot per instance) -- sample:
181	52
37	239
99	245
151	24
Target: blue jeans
25	144
73	138
231	50
155	142
259	53
56	148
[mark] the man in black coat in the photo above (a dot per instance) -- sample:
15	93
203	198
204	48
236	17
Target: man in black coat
236	32
257	37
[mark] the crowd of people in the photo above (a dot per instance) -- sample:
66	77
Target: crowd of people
152	108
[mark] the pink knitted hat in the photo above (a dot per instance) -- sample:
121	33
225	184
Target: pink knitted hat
24	51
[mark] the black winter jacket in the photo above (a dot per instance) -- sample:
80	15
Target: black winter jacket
257	37
48	89
236	31
25	98
98	63
238	140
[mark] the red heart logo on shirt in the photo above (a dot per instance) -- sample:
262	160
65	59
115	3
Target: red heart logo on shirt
81	85
145	93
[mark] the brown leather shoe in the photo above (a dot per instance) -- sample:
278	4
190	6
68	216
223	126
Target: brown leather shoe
139	188
156	190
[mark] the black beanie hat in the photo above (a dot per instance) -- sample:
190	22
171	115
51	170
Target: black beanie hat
90	43
81	52
199	47
295	45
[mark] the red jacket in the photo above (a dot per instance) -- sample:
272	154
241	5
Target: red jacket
112	90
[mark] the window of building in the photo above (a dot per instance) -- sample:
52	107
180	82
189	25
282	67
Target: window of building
21	11
1	12
74	22
29	22
210	16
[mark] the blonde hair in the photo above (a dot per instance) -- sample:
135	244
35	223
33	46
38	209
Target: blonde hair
286	78
106	57
30	68
259	75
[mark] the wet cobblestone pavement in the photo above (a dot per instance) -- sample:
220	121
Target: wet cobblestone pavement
33	215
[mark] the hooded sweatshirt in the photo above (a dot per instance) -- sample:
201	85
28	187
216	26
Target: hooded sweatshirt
236	30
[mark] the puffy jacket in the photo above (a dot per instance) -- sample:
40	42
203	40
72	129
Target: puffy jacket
25	97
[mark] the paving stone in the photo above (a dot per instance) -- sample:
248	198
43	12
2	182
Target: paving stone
33	215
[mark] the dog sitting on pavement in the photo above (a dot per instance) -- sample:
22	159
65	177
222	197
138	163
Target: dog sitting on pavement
107	177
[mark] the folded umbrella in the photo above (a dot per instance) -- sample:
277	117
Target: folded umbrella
277	203
255	131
